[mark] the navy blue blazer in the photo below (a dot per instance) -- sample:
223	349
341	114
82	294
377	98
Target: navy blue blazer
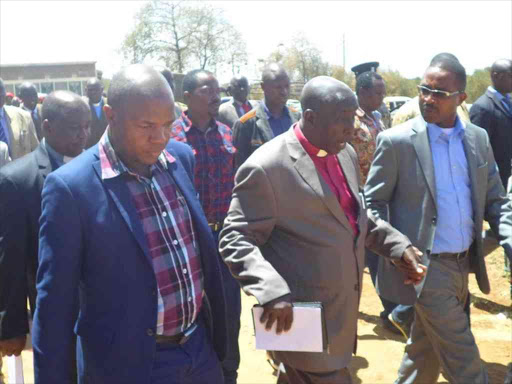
91	240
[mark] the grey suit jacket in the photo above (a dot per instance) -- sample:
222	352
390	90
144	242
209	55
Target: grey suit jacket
401	188
22	132
286	233
253	130
229	113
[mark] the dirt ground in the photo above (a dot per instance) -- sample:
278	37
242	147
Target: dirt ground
380	351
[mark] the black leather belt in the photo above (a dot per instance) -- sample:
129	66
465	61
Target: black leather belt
215	227
446	255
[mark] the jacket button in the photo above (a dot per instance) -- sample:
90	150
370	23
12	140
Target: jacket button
356	287
434	220
150	332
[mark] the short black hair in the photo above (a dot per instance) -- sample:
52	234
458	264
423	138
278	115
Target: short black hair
365	80
443	56
190	81
453	66
53	104
26	88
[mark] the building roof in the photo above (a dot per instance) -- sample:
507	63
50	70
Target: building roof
46	64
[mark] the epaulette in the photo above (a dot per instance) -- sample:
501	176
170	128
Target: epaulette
293	109
248	115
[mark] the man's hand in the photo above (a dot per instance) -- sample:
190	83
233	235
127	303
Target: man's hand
13	346
279	310
409	264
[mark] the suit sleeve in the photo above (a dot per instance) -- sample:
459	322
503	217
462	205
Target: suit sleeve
498	207
385	240
242	143
382	178
481	116
13	262
60	258
248	226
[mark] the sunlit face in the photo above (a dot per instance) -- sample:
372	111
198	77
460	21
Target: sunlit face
276	91
440	110
68	134
373	97
334	125
205	99
30	98
141	128
94	92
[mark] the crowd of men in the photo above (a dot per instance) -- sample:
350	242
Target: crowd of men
131	224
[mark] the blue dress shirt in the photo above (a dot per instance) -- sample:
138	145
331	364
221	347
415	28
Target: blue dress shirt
455	225
281	124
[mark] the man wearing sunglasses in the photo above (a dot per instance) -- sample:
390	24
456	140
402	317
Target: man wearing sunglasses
435	179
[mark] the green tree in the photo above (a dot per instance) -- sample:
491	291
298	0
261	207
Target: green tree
477	84
397	85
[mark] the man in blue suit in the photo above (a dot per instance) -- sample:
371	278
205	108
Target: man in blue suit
122	227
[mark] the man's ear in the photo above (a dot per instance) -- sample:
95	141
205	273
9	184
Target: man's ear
461	96
309	116
46	126
110	114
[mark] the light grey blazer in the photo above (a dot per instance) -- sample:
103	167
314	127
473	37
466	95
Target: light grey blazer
286	233
401	184
229	113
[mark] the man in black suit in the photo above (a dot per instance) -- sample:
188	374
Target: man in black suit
66	123
493	112
96	102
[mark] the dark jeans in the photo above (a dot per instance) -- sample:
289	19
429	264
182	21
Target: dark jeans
234	309
194	362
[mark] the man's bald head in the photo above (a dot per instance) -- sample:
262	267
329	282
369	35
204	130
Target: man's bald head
325	91
66	122
28	94
137	82
328	111
501	76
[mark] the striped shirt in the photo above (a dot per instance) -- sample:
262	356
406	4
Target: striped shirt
170	237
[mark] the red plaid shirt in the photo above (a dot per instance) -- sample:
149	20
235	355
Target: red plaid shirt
170	238
215	170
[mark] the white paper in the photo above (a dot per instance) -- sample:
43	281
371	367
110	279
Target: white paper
305	335
15	370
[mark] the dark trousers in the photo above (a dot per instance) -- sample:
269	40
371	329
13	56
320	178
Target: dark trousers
194	362
234	309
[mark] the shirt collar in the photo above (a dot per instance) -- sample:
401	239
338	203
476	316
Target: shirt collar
498	94
267	111
112	166
308	147
188	123
434	131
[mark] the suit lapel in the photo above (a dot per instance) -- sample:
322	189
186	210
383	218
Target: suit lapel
120	194
498	103
307	170
422	147
43	162
263	124
9	127
470	150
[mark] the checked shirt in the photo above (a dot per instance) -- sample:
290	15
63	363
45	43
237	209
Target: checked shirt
170	237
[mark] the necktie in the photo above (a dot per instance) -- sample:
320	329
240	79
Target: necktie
246	107
508	104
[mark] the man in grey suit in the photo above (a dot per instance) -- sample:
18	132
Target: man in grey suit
296	230
230	112
268	119
437	178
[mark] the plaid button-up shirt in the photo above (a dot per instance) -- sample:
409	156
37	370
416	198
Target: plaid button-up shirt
170	238
215	168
